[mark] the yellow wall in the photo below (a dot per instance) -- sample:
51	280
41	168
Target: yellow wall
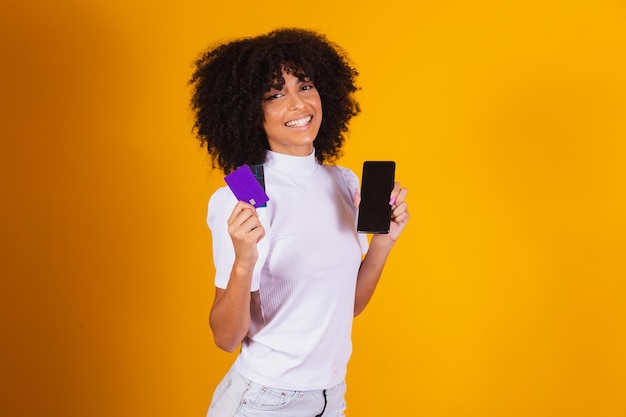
505	297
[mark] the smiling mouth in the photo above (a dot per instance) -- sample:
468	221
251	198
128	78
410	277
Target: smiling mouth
299	122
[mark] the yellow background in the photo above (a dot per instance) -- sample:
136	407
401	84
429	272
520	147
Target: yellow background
505	296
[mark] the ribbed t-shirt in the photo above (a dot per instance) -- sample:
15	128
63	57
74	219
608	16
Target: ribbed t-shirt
305	274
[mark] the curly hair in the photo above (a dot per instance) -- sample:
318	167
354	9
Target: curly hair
230	79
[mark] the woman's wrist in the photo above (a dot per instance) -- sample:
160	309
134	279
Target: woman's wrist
382	241
243	267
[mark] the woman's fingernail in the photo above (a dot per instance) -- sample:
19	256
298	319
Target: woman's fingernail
393	200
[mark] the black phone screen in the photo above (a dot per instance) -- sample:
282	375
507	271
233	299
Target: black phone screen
376	186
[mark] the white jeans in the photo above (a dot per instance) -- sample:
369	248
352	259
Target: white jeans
236	396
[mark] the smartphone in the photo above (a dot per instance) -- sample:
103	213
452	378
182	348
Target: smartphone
248	185
376	186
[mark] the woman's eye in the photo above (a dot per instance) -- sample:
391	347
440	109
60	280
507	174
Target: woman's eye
308	87
272	97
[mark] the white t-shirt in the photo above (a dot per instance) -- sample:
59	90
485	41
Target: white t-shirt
306	273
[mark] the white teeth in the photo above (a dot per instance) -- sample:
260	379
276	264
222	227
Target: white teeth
299	122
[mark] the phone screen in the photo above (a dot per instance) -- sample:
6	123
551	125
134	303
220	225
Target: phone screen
376	186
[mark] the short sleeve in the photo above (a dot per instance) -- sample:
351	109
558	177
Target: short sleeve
352	182
221	205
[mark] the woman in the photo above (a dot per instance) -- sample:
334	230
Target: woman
290	276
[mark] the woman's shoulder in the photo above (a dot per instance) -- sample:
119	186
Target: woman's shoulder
338	168
222	199
222	194
346	174
349	177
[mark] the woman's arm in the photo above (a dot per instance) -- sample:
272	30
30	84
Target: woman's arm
380	247
230	313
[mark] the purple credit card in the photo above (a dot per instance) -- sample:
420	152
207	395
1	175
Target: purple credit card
246	186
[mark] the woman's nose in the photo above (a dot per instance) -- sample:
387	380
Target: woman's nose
295	102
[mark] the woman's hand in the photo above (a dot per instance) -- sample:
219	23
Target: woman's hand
399	211
245	230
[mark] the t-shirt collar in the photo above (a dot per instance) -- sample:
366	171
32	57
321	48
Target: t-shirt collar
298	165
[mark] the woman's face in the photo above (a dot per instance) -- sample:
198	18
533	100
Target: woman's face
292	116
